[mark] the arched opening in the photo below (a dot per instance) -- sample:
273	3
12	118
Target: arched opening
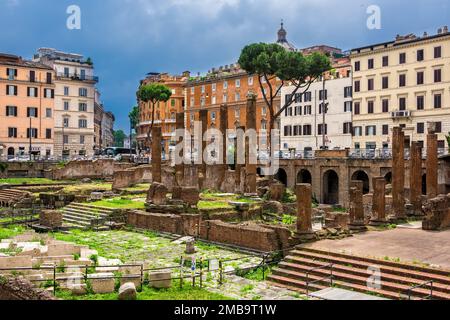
304	176
331	187
11	152
362	176
281	176
424	184
388	178
259	172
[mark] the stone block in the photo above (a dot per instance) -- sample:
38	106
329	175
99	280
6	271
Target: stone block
128	291
157	194
51	219
160	280
102	282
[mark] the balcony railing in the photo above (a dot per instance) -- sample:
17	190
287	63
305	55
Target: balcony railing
76	77
400	114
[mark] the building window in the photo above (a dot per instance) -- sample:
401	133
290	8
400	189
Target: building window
438	127
172	102
385	61
65	138
357	108
370	85
82	139
357	66
33	134
320	129
48	112
323	96
66	105
66	91
420	77
420	102
65	122
437	101
225	85
371	131
250	81
225	98
298	98
213	100
437	52
441	144
307	130
370	64
370	107
357	131
348	106
82	123
11	73
237	113
12	132
82	107
402	58
402	104
66	71
192	90
308	110
11	90
214	87
348	92
238	96
49	93
213	116
385	129
308	96
238	83
322	109
385	105
32	112
83	92
402	80
48	133
421	128
420	55
348	127
11	111
357	86
32	92
203	89
385	83
437	75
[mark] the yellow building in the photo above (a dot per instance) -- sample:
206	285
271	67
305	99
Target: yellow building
404	83
27	93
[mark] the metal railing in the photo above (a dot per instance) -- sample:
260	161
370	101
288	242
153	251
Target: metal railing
330	277
410	291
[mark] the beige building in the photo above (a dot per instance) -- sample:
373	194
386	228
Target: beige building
405	82
27	107
74	101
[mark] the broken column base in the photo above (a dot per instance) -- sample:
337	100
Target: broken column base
305	236
397	220
378	223
357	227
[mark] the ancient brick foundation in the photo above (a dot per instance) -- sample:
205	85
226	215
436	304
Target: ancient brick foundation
184	224
21	289
437	213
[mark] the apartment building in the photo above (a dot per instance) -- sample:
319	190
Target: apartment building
27	98
74	101
98	118
107	128
306	123
405	82
165	112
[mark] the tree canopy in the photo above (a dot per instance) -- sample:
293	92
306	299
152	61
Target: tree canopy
154	92
119	138
134	117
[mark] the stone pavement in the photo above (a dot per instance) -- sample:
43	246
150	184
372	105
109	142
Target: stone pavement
408	245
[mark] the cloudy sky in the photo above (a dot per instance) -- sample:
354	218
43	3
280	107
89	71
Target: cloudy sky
129	38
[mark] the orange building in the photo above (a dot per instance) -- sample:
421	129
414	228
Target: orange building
27	92
165	113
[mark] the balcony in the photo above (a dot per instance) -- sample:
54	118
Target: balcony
400	114
76	77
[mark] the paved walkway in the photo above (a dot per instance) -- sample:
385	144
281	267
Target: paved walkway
408	245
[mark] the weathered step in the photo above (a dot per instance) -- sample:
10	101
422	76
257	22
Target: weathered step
392	268
85	213
303	264
76	221
357	282
294	284
91	207
78	218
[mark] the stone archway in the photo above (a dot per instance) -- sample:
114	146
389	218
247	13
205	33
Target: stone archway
330	187
281	176
11	152
424	184
388	177
361	175
304	176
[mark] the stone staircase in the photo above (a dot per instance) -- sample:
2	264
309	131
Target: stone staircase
349	272
85	216
9	197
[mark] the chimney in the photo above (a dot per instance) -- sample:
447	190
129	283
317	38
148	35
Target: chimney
425	34
445	29
439	31
186	74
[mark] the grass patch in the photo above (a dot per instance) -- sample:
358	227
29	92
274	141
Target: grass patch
119	203
214	205
21	181
139	187
11	231
87	188
256	274
174	293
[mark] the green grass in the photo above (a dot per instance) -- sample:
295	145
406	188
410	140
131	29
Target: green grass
88	187
11	231
139	187
119	203
20	181
174	293
214	205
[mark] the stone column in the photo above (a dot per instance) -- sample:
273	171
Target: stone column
432	163
378	202
357	220
415	179
304	212
223	126
398	174
238	172
202	171
156	153
179	168
250	150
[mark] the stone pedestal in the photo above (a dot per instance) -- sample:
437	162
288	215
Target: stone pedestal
157	194
432	164
51	219
190	247
251	150
357	223
379	202
156	154
304	211
398	176
416	179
